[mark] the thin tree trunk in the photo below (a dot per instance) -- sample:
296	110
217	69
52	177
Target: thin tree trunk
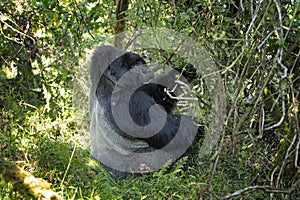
121	7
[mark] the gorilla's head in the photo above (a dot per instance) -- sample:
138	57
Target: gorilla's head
132	66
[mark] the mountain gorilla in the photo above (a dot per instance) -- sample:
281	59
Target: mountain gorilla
131	115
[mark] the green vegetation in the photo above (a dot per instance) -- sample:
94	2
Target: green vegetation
255	44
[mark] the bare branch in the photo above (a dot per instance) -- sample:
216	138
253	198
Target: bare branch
266	189
252	22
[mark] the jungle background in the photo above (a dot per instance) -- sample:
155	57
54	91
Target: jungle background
255	45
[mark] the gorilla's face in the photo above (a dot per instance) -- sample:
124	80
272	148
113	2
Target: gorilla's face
132	67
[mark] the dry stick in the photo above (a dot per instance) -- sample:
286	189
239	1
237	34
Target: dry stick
266	189
281	119
263	18
252	23
3	19
262	120
262	110
266	38
291	21
242	6
279	60
285	160
297	128
297	146
272	178
69	164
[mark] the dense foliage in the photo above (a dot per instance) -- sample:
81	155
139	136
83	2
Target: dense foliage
255	44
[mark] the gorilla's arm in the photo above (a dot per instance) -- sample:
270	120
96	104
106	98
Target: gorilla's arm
158	93
166	82
139	107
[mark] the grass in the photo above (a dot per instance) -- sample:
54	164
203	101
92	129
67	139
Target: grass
50	148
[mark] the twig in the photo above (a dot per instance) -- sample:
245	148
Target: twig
242	6
69	164
266	189
252	22
285	160
281	119
285	70
266	38
297	128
